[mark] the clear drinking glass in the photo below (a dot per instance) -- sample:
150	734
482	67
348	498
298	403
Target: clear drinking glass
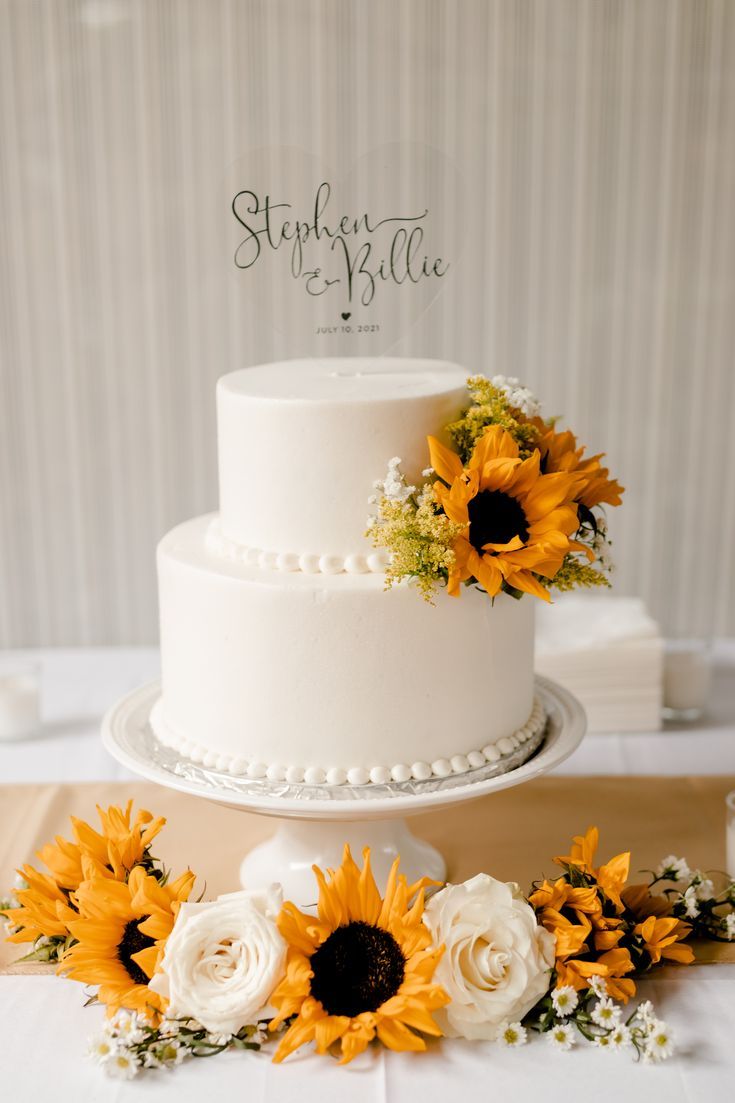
730	836
687	678
20	698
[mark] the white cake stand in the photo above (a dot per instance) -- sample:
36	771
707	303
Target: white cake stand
316	821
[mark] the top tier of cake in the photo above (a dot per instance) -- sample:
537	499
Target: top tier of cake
301	443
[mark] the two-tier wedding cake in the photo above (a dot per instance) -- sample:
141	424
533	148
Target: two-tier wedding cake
283	656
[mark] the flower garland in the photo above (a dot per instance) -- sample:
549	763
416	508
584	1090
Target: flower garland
477	960
512	506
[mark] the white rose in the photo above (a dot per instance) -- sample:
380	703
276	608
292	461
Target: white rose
223	959
497	959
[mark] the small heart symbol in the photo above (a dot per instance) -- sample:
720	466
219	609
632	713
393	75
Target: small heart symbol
347	315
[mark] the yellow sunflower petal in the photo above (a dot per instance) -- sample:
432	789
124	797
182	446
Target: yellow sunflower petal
297	1035
396	1036
446	463
412	1013
495	443
329	1029
147	959
357	1037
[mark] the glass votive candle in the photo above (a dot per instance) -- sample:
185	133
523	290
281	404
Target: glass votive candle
687	679
20	698
730	834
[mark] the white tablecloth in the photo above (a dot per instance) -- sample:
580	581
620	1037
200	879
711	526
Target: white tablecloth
43	1025
44	1029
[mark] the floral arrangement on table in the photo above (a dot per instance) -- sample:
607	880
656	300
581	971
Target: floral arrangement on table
514	505
477	960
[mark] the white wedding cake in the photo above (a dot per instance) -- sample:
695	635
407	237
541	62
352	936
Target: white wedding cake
283	655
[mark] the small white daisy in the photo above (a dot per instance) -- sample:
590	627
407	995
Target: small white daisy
101	1048
172	1053
659	1043
564	999
598	985
674	869
562	1036
169	1028
729	924
128	1026
619	1038
122	1065
646	1012
602	1041
512	1034
606	1013
428	472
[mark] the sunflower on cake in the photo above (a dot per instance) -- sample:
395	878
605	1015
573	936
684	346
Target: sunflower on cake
512	505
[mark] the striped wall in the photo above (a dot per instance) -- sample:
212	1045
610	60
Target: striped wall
592	148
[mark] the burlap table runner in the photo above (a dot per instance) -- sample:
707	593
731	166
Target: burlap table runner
512	834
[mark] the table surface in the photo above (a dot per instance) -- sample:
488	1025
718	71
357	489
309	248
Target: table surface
43	1025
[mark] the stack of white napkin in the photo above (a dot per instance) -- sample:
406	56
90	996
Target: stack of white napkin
608	652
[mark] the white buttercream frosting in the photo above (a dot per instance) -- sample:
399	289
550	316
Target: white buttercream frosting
301	442
330	670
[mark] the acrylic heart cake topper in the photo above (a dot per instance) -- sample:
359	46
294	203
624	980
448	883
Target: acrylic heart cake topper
342	262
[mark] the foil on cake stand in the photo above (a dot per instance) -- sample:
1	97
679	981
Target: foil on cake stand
316	820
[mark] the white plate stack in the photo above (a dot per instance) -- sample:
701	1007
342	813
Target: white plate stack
609	653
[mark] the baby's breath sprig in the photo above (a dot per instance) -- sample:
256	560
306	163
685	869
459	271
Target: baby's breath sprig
496	401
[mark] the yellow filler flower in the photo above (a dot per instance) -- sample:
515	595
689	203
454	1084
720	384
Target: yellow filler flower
517	521
122	930
363	967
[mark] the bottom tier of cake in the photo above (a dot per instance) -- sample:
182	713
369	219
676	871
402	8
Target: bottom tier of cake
329	678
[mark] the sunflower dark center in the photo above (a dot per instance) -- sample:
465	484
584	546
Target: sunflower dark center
356	969
495	518
132	942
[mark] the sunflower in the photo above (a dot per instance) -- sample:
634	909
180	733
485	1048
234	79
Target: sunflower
517	521
121	930
362	968
44	910
560	453
661	938
121	845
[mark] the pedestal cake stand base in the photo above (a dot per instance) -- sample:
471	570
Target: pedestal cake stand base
316	821
298	845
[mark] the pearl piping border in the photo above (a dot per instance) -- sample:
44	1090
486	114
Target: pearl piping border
220	545
355	775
